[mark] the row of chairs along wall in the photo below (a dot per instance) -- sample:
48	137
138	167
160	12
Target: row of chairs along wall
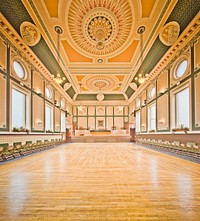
17	150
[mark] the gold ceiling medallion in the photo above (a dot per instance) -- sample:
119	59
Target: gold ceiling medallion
30	33
169	33
100	27
100	83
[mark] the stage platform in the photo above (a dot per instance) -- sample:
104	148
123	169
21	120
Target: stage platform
104	137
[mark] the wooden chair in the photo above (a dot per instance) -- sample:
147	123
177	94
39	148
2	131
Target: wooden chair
7	153
1	153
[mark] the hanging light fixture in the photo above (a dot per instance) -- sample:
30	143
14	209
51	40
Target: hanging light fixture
58	79
141	76
80	107
120	107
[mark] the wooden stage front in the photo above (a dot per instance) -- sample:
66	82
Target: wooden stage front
96	137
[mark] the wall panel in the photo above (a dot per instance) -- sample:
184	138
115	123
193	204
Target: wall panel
197	101
3	54
3	99
38	113
57	119
162	113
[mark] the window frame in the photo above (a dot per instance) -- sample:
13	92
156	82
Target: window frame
182	87
179	60
17	58
153	86
27	104
149	117
52	116
48	87
61	123
138	122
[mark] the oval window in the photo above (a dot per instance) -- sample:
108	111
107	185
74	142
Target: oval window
181	68
19	69
48	93
138	102
152	92
62	103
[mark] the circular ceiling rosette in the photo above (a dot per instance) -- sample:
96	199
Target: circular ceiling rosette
100	27
100	82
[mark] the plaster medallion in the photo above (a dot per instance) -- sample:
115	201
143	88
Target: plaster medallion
169	33
30	33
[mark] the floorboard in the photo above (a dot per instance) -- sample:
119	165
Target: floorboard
102	181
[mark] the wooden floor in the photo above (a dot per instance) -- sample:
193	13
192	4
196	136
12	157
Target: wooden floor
90	182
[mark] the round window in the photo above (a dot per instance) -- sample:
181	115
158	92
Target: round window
181	68
152	92
138	102
62	103
19	69
48	93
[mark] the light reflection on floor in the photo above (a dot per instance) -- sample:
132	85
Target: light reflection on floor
100	182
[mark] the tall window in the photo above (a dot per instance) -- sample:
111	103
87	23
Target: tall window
152	117
137	121
49	117
182	108
63	125
18	108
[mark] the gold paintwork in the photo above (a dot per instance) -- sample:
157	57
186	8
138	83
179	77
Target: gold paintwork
127	55
73	55
78	49
147	6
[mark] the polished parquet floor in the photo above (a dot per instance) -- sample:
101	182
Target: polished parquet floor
105	182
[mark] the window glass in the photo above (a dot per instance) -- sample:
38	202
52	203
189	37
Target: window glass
63	126
138	102
137	121
62	103
152	117
49	117
18	109
48	93
182	108
152	92
181	69
19	69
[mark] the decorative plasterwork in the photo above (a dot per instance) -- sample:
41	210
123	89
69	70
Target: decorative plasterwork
30	33
100	96
169	33
100	82
192	31
14	39
100	27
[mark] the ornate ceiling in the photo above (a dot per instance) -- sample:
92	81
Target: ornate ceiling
99	27
100	48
